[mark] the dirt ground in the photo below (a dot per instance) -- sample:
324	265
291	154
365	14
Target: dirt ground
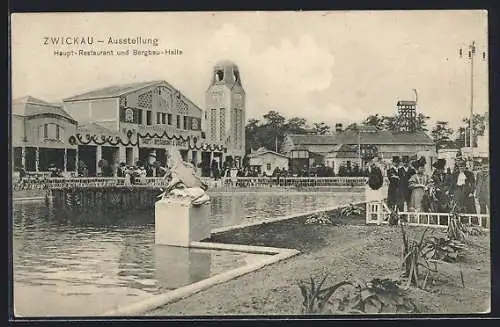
347	249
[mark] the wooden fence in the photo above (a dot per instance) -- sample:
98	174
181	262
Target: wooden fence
378	213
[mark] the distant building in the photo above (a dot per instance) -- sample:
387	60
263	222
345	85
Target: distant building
266	161
40	132
342	147
225	112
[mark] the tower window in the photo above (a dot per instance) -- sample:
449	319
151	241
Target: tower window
169	119
236	75
219	75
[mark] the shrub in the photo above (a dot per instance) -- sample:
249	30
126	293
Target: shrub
315	297
375	296
413	257
318	219
456	230
351	210
443	249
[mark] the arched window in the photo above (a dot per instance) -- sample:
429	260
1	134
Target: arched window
219	75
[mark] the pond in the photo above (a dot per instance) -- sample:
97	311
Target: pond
68	267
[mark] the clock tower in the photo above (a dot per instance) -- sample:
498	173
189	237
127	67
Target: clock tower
225	111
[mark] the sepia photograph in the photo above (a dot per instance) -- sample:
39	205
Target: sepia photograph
258	163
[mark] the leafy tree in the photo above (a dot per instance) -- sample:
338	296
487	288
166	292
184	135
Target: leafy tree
375	121
321	128
478	128
296	125
274	119
441	135
421	122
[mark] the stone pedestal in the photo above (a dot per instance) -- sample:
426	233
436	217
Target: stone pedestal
178	223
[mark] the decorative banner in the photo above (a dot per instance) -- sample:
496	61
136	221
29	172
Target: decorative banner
147	138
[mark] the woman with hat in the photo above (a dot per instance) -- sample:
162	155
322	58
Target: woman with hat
418	186
462	188
439	189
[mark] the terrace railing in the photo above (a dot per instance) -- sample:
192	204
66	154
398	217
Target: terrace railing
378	213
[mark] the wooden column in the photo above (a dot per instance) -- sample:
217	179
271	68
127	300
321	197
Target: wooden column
76	162
23	157
65	159
37	159
98	157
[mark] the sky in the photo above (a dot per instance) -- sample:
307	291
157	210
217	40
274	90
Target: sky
336	67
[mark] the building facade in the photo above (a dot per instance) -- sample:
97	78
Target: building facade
357	148
266	161
139	122
40	132
225	112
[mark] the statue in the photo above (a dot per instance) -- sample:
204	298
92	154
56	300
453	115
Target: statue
183	184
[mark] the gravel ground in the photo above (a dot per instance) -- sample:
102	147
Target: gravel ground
347	249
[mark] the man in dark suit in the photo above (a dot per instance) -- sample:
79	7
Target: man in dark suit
393	197
404	172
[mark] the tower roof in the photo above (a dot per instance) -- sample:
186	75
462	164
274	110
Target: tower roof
226	63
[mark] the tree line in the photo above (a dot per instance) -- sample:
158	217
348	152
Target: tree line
270	131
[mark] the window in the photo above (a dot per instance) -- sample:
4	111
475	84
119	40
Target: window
178	121
163	118
185	122
268	166
169	119
149	117
45	131
222	124
219	75
158	118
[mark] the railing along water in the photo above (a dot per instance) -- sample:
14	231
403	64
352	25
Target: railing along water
225	182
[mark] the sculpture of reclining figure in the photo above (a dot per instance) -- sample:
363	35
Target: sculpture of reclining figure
184	183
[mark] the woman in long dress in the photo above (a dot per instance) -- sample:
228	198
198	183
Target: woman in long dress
418	185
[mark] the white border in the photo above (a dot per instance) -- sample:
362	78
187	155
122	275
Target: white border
156	301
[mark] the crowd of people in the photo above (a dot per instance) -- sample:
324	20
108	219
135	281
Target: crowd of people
412	188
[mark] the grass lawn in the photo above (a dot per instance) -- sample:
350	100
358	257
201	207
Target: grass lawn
346	249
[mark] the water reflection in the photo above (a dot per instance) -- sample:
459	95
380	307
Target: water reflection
84	265
177	266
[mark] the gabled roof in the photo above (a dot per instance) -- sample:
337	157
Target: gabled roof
95	128
112	91
371	137
347	151
115	91
308	139
262	151
29	106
